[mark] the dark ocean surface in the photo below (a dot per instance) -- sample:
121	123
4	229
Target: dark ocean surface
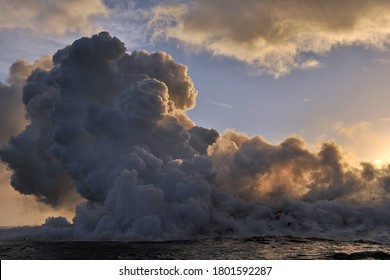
268	247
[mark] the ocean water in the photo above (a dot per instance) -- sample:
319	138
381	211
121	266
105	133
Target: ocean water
264	247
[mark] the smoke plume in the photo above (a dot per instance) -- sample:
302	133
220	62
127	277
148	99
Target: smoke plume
11	107
112	127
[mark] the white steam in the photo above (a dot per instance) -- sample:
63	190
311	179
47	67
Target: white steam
111	127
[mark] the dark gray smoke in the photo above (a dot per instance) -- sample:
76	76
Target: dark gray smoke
113	127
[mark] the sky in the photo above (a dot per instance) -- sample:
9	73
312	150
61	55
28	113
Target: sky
315	70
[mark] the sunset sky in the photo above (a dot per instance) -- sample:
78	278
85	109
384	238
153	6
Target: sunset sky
315	69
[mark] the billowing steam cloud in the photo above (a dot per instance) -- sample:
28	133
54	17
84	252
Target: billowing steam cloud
275	36
11	107
113	127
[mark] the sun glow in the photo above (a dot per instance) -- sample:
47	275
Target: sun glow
381	162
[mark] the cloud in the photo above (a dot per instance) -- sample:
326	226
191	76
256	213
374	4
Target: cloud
220	104
51	16
111	127
274	36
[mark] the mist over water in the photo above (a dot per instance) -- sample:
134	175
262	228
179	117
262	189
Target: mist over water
108	131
